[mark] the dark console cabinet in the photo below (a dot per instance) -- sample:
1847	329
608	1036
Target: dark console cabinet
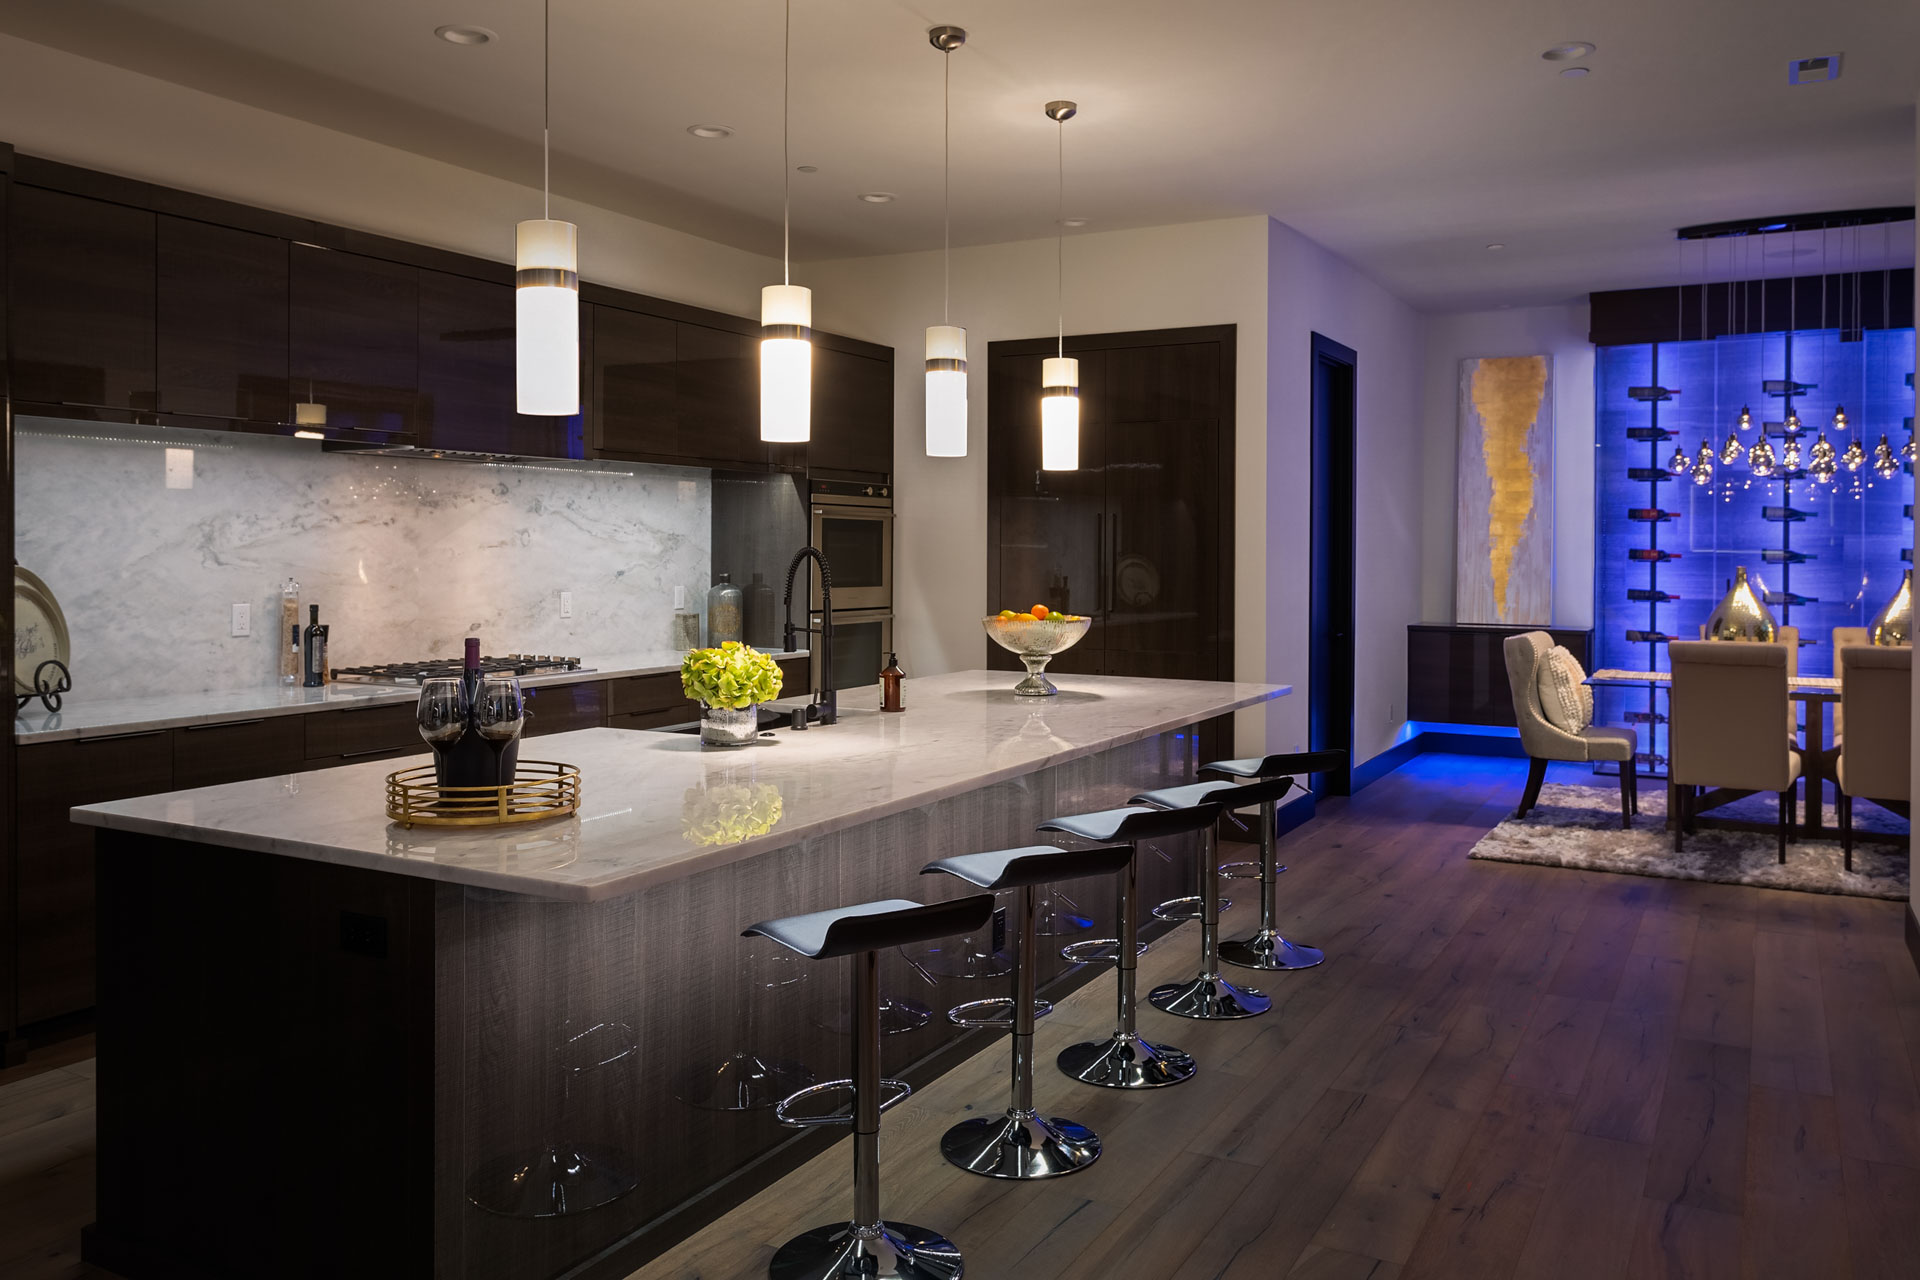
1458	674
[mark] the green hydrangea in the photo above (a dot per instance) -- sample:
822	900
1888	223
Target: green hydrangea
734	675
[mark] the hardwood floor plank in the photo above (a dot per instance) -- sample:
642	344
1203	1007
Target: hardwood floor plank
1789	1015
1796	1215
1154	1234
1391	1063
1481	1221
1700	1147
1557	1049
1592	966
1385	1207
1883	1219
1680	1242
1585	1223
1626	1078
1875	1098
1332	1264
1718	1004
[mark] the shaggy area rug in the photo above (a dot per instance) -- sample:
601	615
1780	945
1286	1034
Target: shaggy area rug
1579	826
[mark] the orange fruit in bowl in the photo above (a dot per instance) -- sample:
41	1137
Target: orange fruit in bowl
1026	617
1039	611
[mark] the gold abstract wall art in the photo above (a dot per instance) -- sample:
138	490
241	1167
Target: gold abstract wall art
1503	565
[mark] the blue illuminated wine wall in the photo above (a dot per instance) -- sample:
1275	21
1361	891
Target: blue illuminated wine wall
1666	546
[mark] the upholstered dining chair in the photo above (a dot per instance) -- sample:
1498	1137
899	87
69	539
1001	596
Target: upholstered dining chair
1728	702
1844	638
1876	684
1545	741
1788	638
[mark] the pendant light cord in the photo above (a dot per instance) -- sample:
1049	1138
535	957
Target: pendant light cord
1060	233
546	109
946	189
786	159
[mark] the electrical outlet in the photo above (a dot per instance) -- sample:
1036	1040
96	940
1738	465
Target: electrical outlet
179	468
242	621
566	604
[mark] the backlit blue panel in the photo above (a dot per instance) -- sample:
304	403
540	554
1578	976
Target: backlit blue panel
1854	533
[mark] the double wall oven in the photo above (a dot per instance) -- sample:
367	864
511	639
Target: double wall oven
853	527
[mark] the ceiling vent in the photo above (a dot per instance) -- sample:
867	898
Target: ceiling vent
1814	70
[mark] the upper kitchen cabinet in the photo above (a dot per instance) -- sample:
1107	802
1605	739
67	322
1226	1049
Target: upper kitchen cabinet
467	393
633	385
222	333
83	301
852	415
354	341
718	390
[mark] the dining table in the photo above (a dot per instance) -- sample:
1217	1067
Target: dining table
1815	693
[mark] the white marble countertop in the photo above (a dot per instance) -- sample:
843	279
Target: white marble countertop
654	804
80	718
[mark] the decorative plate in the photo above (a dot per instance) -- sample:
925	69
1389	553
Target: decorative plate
39	630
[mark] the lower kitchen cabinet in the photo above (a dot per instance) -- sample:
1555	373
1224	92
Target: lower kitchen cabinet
206	755
562	708
54	933
361	733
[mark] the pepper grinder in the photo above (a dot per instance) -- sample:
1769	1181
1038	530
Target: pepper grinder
890	678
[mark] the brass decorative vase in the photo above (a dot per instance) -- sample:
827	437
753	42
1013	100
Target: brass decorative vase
1742	614
1893	625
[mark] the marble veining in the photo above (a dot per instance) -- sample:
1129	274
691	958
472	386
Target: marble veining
405	557
652	803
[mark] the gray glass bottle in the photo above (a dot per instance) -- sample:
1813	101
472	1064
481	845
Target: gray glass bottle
726	609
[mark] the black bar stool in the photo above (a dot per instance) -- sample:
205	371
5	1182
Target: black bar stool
867	1247
1124	1060
1022	1144
1208	996
1266	949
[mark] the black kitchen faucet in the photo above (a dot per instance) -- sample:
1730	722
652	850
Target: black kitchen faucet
824	705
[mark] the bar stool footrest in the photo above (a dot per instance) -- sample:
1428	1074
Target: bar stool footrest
974	1013
1096	951
899	1092
1242	871
1187	908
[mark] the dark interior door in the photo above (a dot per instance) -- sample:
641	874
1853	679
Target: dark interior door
1330	648
1053	535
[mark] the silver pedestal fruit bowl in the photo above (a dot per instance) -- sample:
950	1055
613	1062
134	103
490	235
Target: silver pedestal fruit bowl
1034	641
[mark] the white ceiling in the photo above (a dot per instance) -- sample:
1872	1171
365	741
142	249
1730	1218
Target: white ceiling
1403	134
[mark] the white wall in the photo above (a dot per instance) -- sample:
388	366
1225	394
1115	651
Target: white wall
61	107
1558	331
1313	291
1159	277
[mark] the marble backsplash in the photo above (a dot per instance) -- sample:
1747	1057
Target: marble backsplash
147	540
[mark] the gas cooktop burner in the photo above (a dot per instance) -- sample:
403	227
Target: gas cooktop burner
515	664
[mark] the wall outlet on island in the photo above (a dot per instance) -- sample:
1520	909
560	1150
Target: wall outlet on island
241	621
566	604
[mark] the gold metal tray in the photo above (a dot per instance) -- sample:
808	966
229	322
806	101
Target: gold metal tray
540	789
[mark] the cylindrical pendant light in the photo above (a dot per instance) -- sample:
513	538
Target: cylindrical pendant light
546	277
1060	374
946	343
786	309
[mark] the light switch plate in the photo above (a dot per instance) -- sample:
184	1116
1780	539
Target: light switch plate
242	619
179	468
566	604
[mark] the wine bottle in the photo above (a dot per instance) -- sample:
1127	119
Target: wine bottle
1653	597
470	761
1651	474
315	661
1650	515
1651	554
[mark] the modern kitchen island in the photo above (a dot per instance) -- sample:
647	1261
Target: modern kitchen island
331	1045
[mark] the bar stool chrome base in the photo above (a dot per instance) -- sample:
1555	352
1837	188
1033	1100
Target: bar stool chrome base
1268	950
1020	1145
885	1251
1213	999
552	1182
1125	1061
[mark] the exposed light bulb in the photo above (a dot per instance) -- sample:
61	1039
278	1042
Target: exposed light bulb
1855	457
1885	465
1730	451
1822	452
1703	472
1746	418
1679	462
1839	417
1907	450
1823	470
1792	423
1790	454
1760	459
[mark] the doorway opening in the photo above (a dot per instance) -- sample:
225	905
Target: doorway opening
1330	645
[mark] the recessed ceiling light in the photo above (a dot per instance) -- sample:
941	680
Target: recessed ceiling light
1496	246
877	197
709	131
465	35
1574	73
1073	222
1569	52
806	168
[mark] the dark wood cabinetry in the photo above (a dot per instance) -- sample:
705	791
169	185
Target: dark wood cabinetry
467	375
83	301
633	385
206	755
852	414
1457	674
221	332
360	733
353	336
562	708
54	859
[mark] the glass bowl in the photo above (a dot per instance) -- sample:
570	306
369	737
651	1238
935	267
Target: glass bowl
1034	642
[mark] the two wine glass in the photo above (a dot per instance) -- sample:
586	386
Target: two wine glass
497	713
